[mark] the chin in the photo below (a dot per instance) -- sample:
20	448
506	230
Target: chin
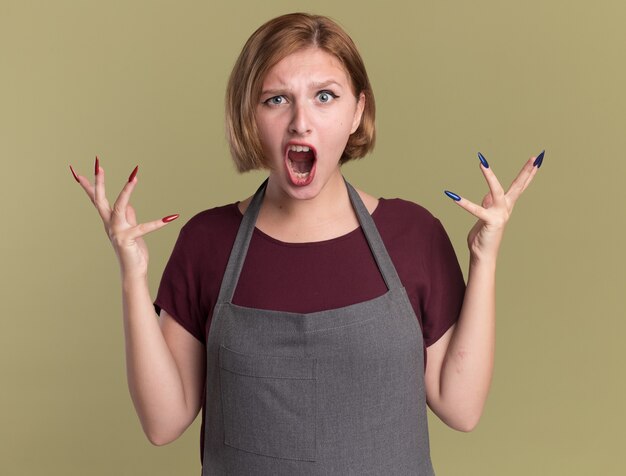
298	191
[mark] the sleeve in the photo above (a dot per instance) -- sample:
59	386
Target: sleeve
179	290
445	289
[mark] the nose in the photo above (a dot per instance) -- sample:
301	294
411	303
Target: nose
300	123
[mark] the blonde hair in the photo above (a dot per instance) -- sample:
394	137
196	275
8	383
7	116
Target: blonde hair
269	44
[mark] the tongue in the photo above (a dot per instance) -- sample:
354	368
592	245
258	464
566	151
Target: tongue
301	162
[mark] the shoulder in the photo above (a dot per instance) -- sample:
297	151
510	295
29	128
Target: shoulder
213	221
205	240
402	214
208	232
406	225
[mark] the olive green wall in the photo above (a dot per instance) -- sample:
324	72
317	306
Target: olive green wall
142	82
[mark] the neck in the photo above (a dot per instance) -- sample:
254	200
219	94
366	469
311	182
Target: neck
324	202
325	215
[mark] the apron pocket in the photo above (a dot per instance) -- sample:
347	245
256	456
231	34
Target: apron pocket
269	404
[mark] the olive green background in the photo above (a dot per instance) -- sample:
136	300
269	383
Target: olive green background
142	82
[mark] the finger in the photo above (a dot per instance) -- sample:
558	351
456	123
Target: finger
476	210
84	183
74	174
497	192
531	176
144	228
91	193
100	199
522	180
131	217
119	207
88	188
487	201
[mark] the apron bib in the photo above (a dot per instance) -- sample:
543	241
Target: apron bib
336	392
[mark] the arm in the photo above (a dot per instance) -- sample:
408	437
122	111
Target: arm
165	364
164	367
460	363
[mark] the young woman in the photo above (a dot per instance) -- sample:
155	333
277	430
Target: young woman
311	322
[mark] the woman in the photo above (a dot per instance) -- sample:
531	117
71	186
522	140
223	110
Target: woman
311	322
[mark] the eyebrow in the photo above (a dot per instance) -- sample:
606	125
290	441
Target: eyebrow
318	85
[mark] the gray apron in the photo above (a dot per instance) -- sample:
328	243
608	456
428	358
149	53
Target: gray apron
336	392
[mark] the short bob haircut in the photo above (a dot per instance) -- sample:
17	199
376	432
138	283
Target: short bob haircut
273	41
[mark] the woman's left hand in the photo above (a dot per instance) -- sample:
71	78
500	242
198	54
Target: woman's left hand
495	210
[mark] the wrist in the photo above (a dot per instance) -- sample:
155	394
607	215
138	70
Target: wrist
485	261
133	280
484	254
132	269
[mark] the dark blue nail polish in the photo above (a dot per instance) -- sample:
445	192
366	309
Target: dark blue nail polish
483	160
539	160
452	195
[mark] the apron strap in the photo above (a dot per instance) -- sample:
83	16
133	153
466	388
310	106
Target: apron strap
240	247
246	229
375	242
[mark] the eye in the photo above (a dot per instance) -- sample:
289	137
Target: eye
275	101
326	96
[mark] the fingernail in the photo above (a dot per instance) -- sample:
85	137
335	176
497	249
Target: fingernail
452	195
97	166
170	218
133	174
74	174
483	160
539	160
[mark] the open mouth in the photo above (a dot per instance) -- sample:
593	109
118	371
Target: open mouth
300	161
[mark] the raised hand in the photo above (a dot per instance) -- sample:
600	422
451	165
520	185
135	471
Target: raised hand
495	210
120	222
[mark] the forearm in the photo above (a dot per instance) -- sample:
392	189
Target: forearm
154	380
467	367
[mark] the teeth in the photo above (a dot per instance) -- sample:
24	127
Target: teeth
299	148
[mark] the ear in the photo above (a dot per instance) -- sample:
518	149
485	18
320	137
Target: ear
358	114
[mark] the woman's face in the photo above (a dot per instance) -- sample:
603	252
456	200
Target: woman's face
306	113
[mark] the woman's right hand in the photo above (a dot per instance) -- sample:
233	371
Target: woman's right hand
120	222
164	362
